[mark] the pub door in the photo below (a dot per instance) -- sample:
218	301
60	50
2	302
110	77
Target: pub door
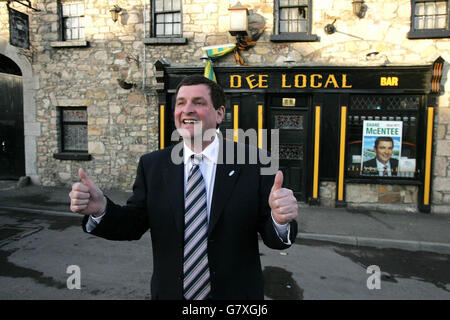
12	148
290	117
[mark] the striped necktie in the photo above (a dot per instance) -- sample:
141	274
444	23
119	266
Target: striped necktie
196	284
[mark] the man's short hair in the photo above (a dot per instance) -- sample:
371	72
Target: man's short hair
216	92
383	138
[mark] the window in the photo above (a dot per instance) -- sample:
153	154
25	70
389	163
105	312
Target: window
73	134
293	21
72	20
429	19
395	119
166	23
166	18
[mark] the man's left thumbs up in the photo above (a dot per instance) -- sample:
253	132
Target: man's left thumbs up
282	201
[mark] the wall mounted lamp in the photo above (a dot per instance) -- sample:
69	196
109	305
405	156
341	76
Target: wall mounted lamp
372	55
331	28
238	20
359	8
204	57
289	59
115	12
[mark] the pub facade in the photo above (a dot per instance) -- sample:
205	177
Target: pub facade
319	113
336	83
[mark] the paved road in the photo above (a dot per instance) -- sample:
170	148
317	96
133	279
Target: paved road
36	251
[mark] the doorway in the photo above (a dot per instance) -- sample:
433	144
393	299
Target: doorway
12	146
289	114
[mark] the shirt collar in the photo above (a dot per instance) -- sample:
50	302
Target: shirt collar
381	165
210	153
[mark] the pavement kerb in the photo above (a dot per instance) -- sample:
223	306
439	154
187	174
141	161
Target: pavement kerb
40	211
436	247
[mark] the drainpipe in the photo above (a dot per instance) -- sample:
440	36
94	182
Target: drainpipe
145	51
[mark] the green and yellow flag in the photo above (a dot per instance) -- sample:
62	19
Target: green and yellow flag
209	71
214	52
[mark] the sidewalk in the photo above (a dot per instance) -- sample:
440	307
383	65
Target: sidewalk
408	231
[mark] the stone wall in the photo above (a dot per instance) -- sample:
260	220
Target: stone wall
374	196
441	164
123	124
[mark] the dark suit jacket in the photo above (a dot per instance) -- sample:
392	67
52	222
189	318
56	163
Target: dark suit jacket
239	211
370	167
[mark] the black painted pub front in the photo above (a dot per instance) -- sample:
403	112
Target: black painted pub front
321	113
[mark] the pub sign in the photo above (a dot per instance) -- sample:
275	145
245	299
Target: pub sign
18	29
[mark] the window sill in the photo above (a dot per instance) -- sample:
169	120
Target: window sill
69	44
429	34
294	37
80	156
164	41
380	180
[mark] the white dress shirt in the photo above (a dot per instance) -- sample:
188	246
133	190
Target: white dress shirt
208	169
380	167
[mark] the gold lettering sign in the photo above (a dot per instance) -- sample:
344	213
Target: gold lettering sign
344	81
389	81
300	80
283	82
235	81
288	102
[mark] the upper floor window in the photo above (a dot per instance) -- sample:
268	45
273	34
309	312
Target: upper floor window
292	21
429	19
166	18
166	26
293	16
72	20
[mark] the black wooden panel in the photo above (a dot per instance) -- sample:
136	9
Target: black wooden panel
12	153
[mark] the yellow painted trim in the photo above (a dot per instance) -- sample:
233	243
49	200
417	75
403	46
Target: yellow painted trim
236	122
161	126
426	192
342	153
260	126
316	154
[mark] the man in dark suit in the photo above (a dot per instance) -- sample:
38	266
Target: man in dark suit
383	164
215	254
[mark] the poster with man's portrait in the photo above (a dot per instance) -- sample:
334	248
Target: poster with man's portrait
381	148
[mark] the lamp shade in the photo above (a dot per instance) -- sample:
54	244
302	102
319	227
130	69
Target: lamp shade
115	12
358	9
238	18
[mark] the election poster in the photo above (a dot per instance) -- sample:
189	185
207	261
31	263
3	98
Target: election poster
381	148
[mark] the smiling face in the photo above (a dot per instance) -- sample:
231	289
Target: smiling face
384	151
194	107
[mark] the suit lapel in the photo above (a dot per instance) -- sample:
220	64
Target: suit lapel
174	182
226	177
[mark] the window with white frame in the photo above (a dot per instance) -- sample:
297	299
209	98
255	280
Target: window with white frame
429	19
72	20
166	18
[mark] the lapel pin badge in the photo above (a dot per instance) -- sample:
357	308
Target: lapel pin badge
231	173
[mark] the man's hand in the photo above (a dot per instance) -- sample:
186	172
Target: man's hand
86	197
282	201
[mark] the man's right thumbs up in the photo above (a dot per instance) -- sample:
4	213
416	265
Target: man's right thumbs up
86	197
